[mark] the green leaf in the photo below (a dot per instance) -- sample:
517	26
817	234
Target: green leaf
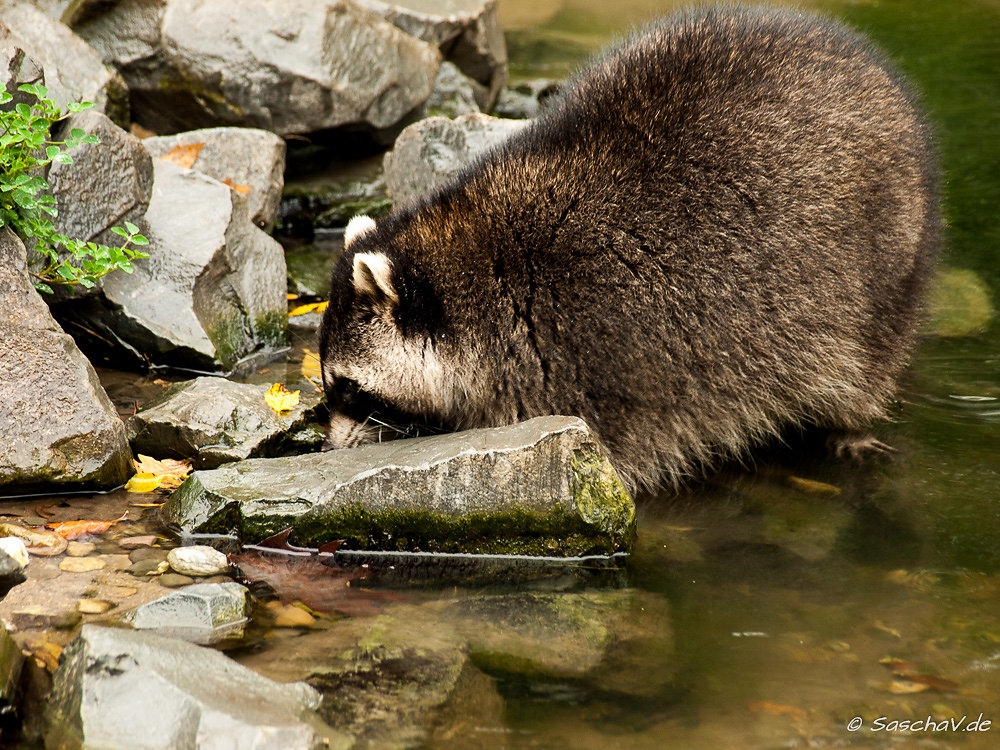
132	228
77	133
86	282
63	158
43	288
119	231
23	109
66	272
138	239
90	139
5	97
51	151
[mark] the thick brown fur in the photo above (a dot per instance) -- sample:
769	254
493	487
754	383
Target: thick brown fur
723	229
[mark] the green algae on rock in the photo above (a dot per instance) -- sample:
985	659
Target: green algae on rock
541	487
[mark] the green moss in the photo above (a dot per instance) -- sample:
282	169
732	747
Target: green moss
601	497
271	329
340	213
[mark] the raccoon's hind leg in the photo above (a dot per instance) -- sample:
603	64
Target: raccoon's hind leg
857	445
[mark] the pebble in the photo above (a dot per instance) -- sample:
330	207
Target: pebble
15	555
93	606
134	542
290	616
148	567
198	560
80	549
174	580
81	564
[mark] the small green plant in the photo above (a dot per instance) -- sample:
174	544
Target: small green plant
26	206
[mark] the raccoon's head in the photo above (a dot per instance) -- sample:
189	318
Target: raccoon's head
380	341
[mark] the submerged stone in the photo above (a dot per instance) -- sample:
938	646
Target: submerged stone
214	421
541	487
117	688
202	612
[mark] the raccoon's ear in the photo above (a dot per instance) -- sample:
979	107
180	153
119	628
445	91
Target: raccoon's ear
357	226
373	276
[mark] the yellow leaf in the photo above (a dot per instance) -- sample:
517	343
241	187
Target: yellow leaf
241	189
144	482
311	307
170	472
310	366
292	296
812	486
183	156
281	400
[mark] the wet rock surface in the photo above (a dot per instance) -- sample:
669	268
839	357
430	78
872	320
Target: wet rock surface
107	183
430	153
467	32
294	68
74	71
249	160
539	487
214	421
203	612
329	198
188	696
213	291
57	425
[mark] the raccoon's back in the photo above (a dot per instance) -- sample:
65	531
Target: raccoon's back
722	228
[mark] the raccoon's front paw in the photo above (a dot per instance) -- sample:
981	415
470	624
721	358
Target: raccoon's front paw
857	446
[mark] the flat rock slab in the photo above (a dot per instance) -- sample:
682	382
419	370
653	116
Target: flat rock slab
249	160
57	425
126	689
214	421
541	487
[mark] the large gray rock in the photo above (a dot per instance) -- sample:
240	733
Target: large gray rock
107	183
16	69
214	421
212	291
57	425
430	153
73	69
123	689
542	487
453	94
289	66
250	161
467	32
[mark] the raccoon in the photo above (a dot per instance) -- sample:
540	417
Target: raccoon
723	229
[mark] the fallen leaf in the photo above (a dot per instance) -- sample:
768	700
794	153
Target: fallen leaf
145	505
75	529
812	486
311	366
140	132
241	189
281	400
93	606
311	307
291	296
45	511
38	541
183	156
165	474
898	666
